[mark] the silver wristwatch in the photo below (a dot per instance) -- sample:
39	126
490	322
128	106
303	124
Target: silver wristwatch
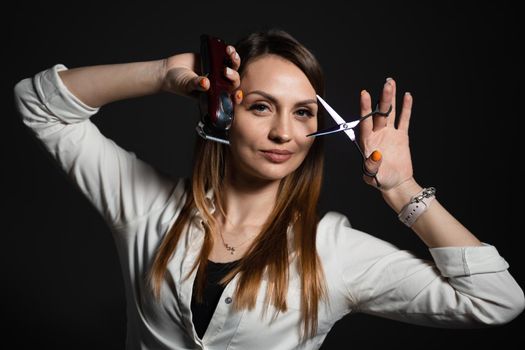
417	206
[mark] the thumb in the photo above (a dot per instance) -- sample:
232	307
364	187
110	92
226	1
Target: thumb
371	166
198	83
185	82
201	83
192	85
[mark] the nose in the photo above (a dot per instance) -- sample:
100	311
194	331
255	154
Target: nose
280	131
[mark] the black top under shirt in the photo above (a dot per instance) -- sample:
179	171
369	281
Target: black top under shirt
202	313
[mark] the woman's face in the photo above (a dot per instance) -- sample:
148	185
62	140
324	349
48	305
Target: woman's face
278	110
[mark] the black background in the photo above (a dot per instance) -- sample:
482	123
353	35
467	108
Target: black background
61	282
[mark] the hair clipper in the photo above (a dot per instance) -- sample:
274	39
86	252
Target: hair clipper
215	105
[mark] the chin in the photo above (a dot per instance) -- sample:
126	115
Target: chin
260	168
274	175
274	172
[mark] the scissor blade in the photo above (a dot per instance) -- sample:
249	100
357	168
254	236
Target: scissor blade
353	124
350	133
326	131
338	119
332	129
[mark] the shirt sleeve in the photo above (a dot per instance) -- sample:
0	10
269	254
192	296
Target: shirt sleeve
463	287
120	186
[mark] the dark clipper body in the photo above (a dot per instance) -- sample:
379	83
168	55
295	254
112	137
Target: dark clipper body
215	105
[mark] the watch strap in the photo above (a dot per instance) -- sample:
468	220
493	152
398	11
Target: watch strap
417	206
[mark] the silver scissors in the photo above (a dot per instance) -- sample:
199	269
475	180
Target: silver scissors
348	128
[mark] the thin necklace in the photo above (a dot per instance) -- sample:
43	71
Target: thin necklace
228	247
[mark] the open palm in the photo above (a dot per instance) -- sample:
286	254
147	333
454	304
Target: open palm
380	133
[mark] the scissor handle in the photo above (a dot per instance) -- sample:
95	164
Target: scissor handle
383	114
366	172
376	111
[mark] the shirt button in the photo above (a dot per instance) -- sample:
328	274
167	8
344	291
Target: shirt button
228	300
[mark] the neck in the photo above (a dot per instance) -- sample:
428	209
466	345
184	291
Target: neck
249	202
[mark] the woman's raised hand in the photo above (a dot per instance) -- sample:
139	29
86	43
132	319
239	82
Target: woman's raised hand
182	74
386	145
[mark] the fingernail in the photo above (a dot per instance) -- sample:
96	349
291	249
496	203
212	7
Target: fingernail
363	92
408	93
237	56
388	79
229	50
376	156
202	83
238	95
229	70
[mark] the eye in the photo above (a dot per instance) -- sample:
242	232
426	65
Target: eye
258	108
304	112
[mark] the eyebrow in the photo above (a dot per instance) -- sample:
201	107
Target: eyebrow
274	100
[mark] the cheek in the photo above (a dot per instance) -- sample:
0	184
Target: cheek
246	131
305	147
304	129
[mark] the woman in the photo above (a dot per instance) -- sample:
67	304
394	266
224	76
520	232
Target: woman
237	257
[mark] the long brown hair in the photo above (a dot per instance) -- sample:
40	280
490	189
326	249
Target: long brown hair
296	206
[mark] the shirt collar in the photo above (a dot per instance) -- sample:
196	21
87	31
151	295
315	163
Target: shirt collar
210	195
210	200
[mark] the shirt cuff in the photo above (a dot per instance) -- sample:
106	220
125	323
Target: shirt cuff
58	99
466	261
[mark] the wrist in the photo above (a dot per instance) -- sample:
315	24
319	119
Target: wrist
162	71
398	196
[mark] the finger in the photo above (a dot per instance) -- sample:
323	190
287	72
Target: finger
384	104
233	76
390	120
371	165
234	57
199	83
366	125
406	112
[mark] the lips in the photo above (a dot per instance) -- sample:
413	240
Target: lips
277	155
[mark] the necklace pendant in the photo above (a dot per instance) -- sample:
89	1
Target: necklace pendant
229	248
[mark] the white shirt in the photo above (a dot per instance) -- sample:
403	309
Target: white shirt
462	287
